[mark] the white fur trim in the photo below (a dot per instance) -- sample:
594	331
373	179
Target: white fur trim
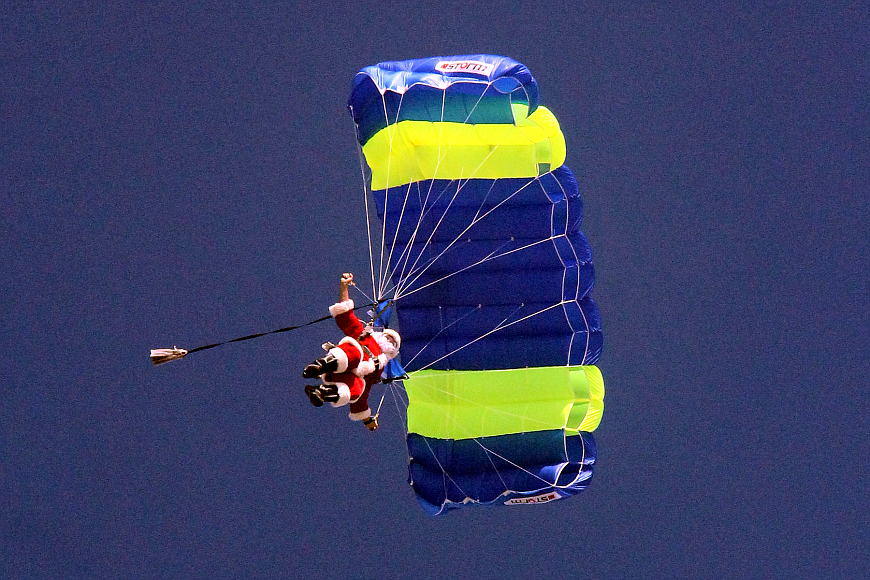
342	359
341	308
364	367
343	395
361	415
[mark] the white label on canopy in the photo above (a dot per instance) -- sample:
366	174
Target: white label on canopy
544	498
468	66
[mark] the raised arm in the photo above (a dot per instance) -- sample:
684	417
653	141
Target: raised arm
346	282
342	310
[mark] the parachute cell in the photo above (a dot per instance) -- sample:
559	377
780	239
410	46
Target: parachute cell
490	276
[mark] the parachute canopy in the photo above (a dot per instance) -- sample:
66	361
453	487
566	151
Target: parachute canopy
491	277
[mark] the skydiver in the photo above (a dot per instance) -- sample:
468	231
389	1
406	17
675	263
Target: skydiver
349	369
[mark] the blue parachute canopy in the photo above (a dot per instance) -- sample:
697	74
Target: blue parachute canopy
477	88
491	277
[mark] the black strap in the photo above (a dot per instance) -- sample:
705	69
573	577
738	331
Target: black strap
259	334
375	359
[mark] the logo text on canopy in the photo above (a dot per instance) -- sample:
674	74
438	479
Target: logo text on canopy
471	66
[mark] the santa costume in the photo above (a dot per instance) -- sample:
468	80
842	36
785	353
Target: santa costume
360	358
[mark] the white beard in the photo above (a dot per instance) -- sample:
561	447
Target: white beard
387	348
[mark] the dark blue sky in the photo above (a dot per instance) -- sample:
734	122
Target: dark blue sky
184	175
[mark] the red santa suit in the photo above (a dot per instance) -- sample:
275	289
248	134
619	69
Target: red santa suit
360	362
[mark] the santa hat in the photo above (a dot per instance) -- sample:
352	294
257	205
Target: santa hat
388	342
394	336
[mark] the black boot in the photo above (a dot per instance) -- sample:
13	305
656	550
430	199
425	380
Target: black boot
319	394
321	366
310	392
